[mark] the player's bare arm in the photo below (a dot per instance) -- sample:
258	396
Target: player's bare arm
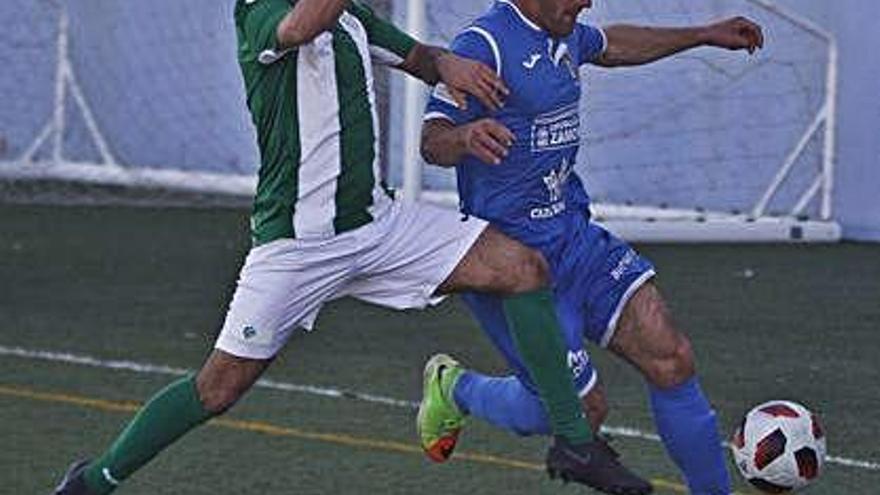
306	20
637	45
431	64
445	144
462	76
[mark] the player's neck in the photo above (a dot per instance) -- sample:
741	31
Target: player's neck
531	10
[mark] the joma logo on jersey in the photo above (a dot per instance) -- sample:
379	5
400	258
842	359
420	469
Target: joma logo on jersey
557	130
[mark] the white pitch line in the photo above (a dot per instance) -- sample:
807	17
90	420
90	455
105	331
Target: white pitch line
157	369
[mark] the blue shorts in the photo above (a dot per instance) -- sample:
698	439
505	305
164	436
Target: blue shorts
594	275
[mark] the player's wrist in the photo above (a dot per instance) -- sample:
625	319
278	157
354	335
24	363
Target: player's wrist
443	63
704	35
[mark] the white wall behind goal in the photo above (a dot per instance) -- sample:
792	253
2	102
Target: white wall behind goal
857	190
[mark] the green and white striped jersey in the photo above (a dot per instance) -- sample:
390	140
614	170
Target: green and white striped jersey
314	108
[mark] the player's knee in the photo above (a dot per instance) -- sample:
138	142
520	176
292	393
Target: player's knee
675	366
532	272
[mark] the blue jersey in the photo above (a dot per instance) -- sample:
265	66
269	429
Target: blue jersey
533	193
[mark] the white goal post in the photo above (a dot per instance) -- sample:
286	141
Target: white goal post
793	201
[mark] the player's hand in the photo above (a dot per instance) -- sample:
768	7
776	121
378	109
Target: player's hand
737	33
487	139
464	76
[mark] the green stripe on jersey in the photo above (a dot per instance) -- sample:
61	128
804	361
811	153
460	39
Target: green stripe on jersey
314	110
354	193
274	114
278	185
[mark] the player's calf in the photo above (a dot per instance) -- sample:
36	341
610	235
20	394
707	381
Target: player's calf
225	378
595	407
684	418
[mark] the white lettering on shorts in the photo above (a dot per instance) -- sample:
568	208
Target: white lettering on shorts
578	362
628	259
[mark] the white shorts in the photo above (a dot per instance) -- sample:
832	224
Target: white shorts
398	261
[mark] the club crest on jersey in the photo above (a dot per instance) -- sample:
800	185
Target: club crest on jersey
555	183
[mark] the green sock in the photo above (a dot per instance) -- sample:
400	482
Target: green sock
173	411
537	335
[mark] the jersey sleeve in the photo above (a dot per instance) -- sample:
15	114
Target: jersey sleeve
470	44
257	22
591	41
388	44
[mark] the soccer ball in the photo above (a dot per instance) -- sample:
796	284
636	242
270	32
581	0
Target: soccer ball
779	447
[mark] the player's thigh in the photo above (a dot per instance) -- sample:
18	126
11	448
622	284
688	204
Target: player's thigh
418	253
282	286
647	337
499	264
601	272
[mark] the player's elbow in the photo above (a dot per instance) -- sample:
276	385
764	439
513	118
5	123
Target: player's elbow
291	34
300	27
428	150
531	273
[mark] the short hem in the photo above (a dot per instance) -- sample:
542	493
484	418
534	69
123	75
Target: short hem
586	389
612	322
429	297
231	347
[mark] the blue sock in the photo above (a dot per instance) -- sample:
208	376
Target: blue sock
503	402
687	425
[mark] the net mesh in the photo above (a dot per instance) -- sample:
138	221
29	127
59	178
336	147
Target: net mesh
705	130
148	94
155	83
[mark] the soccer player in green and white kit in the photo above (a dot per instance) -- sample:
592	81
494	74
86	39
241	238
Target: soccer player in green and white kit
324	226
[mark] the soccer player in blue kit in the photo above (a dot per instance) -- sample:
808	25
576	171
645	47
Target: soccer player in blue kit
515	169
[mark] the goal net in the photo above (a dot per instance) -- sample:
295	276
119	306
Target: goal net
104	98
707	145
143	101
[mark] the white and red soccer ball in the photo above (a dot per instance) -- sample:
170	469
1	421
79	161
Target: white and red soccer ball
779	447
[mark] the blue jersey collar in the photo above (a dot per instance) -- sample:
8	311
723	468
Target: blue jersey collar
525	20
